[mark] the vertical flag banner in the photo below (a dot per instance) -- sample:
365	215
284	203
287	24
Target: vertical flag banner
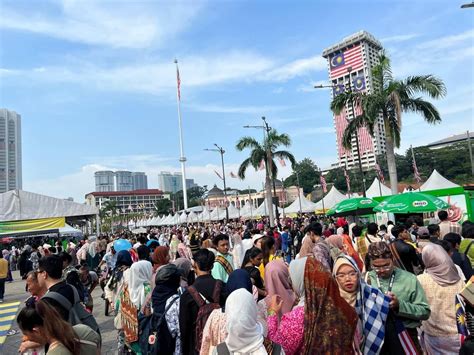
262	165
179	83
379	173
416	173
323	183
282	162
219	175
348	181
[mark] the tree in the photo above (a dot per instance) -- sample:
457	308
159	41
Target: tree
393	98
195	196
163	206
308	175
266	153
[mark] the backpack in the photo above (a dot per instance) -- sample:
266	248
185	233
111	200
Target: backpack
205	309
88	339
77	312
222	349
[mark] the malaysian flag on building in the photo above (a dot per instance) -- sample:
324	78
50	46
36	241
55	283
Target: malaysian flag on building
339	63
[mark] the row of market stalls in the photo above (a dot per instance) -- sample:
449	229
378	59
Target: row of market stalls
25	214
453	195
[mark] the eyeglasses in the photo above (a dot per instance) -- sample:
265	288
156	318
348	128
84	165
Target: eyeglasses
351	275
382	268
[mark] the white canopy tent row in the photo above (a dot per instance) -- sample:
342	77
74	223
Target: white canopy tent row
377	189
307	206
247	211
262	210
436	181
332	197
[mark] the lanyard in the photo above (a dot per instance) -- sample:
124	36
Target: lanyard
390	284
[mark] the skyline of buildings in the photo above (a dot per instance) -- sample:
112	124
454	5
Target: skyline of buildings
172	182
10	151
350	64
120	180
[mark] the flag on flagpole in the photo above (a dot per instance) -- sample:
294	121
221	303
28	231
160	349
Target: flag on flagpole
323	183
348	181
179	82
262	165
379	173
282	162
219	175
416	173
232	175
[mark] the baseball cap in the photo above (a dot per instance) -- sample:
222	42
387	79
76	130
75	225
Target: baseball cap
423	232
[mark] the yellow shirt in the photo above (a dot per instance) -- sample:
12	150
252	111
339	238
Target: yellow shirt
442	321
262	267
3	268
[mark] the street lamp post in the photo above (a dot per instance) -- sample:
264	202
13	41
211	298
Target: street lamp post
356	134
221	151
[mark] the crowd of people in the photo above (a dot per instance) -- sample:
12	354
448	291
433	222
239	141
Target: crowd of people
305	286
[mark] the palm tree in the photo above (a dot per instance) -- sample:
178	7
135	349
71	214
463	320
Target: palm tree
390	99
265	152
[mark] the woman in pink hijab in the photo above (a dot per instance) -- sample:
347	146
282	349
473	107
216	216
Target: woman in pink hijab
277	282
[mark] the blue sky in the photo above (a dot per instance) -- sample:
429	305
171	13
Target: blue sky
95	81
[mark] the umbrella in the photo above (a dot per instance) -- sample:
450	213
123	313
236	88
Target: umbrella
411	202
353	206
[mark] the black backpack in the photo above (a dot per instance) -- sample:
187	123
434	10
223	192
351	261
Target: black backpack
77	312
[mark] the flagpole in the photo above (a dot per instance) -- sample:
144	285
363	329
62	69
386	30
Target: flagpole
182	158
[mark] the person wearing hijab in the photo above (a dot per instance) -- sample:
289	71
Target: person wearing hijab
244	332
93	256
336	244
215	331
369	302
113	290
165	294
161	257
441	282
140	280
321	322
277	282
7	256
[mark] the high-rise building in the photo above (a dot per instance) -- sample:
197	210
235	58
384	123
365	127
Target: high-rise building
168	182
140	181
124	180
350	64
190	183
10	151
104	181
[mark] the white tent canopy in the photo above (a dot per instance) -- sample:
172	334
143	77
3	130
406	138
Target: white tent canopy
376	187
67	230
217	214
247	211
19	205
233	212
333	196
205	215
306	205
437	181
262	210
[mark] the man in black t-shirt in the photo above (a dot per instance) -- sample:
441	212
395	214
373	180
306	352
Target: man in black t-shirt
49	275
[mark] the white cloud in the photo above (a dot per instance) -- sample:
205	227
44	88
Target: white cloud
159	77
399	38
449	41
125	24
296	68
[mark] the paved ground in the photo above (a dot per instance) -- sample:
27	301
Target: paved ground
15	291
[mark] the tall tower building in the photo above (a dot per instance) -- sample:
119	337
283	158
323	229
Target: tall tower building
104	181
140	181
10	151
350	64
168	182
124	181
